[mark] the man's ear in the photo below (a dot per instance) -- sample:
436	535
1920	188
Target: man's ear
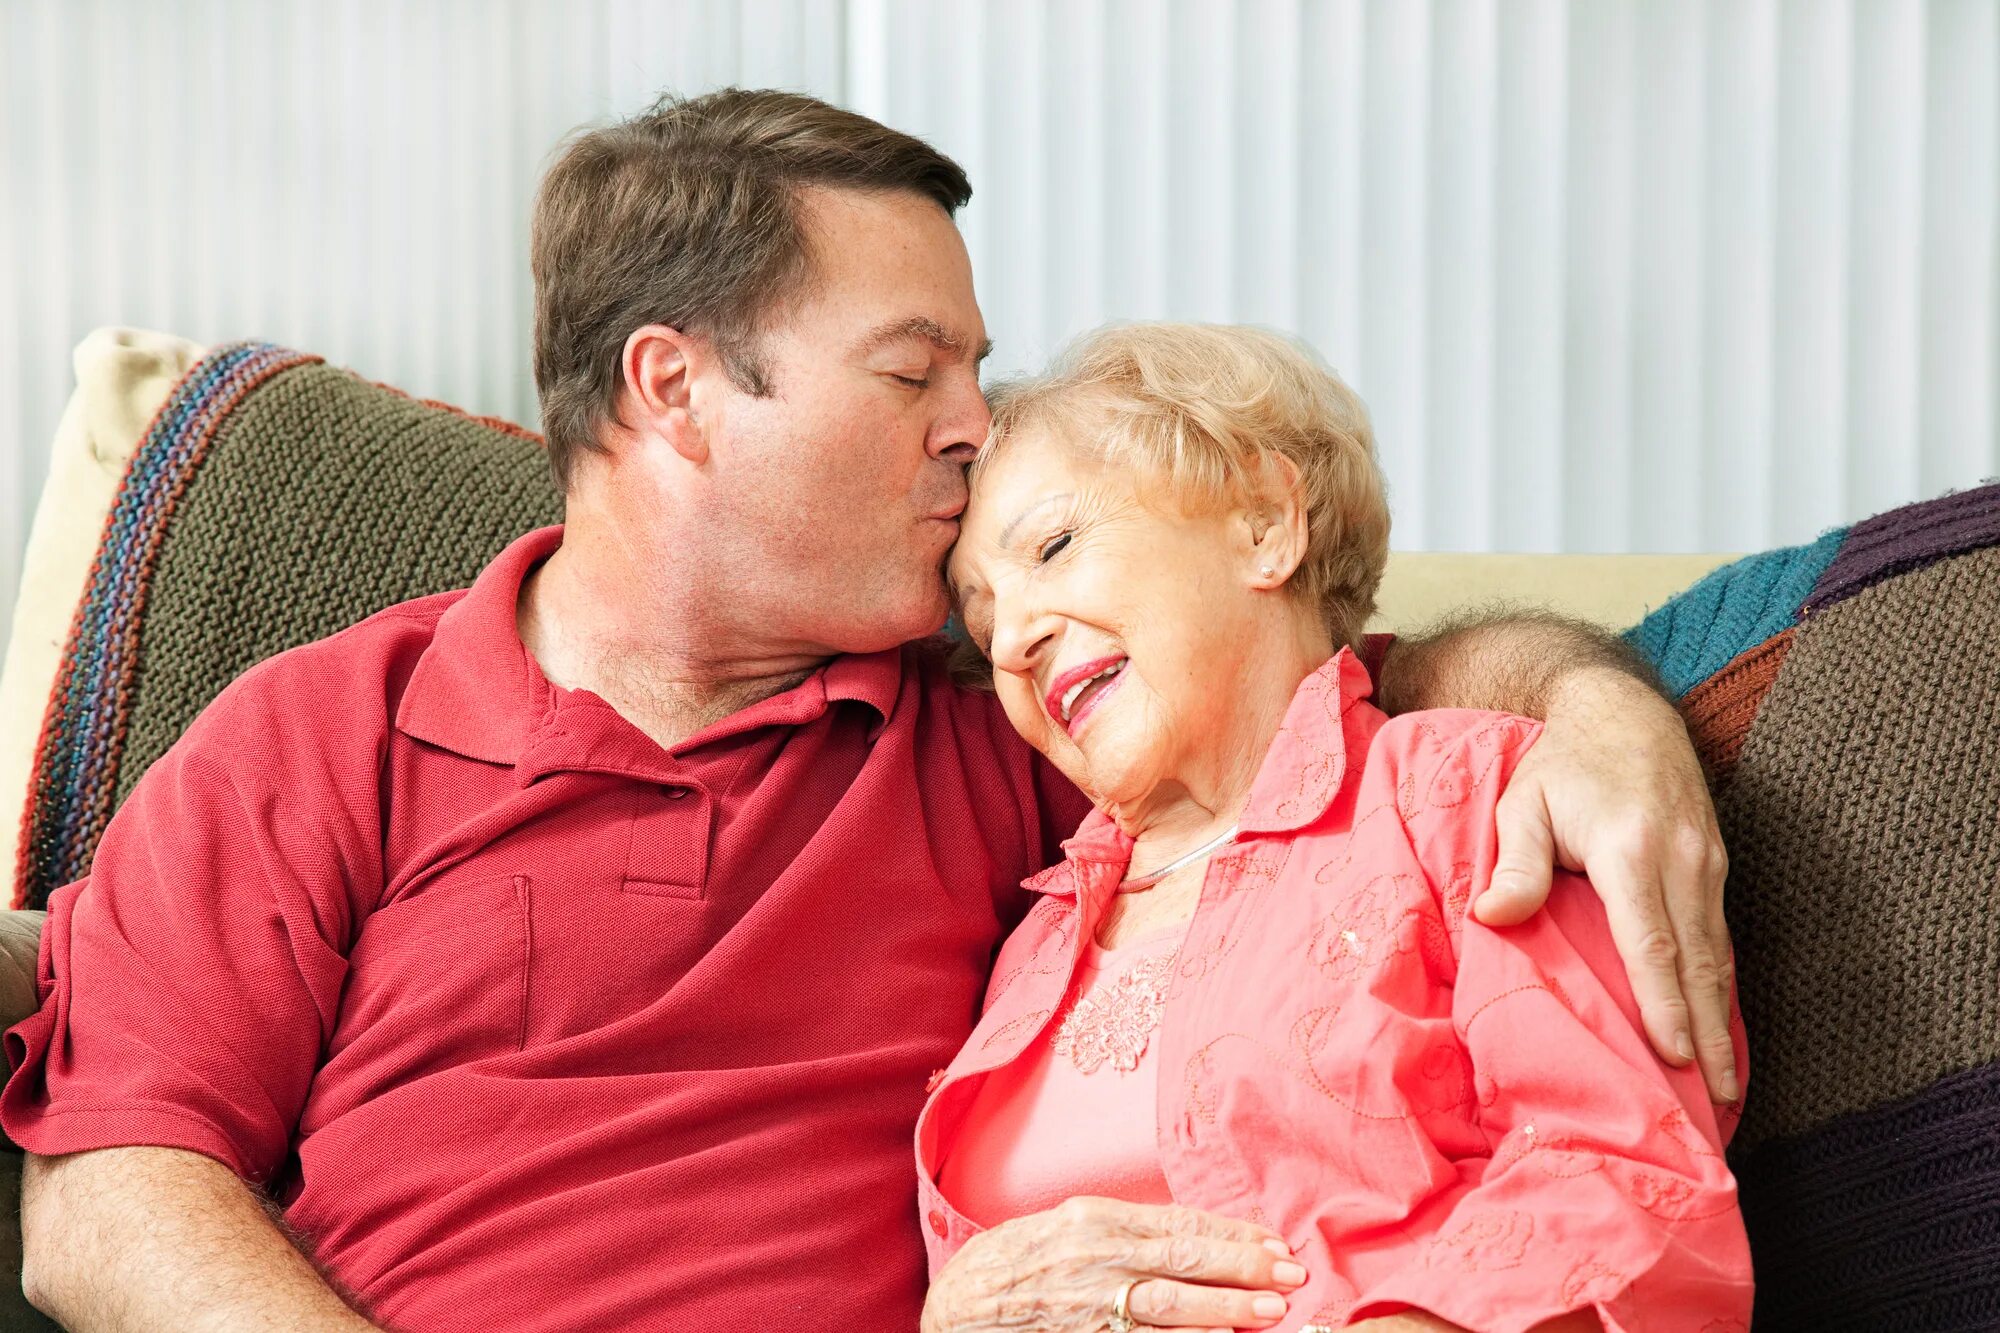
658	364
1275	523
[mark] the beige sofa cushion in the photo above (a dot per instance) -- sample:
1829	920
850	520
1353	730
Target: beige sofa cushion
124	375
1610	590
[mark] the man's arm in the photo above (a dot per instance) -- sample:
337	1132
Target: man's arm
192	1246
1613	789
190	984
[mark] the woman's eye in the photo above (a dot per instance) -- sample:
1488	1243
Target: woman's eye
1052	547
912	381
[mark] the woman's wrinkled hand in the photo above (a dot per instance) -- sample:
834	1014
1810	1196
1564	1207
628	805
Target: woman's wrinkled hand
1613	789
1062	1270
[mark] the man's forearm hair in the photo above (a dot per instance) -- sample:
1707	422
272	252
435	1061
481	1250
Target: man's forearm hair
1501	657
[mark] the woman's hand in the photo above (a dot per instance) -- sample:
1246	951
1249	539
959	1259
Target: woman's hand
1062	1270
1613	789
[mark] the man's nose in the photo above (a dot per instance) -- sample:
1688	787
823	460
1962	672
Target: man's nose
961	429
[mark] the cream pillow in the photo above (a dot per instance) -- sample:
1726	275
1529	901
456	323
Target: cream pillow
122	377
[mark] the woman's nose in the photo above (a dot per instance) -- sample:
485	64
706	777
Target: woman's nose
1022	638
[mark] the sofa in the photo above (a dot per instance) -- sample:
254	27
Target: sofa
1721	629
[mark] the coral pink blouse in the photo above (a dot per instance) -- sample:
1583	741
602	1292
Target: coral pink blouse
1435	1114
1074	1115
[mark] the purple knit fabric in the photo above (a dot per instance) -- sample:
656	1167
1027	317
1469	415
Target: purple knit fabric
1886	1219
1908	538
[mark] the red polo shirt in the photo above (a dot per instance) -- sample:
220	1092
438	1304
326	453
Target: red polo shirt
529	1023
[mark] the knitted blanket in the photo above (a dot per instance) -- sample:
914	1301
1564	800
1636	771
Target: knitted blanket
273	501
1846	696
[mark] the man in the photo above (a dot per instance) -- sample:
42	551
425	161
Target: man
572	952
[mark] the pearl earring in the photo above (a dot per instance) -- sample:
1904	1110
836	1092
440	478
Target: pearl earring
1268	572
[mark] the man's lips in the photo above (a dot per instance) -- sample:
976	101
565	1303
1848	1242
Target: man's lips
1076	675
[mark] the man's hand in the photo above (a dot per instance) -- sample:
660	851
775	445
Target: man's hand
1613	789
1061	1271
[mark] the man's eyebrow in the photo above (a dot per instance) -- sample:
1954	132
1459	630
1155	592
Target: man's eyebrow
1022	517
928	330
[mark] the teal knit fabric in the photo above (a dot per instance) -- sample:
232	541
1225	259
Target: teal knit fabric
1731	611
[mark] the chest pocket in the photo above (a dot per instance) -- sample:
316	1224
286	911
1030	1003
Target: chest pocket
435	980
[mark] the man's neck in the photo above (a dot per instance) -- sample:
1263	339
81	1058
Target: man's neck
592	625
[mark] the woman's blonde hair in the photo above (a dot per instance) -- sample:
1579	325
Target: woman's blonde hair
1203	411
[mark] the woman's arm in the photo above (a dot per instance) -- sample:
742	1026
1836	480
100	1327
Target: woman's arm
1602	1182
1613	790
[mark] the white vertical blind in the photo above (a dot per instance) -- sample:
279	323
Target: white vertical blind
1612	274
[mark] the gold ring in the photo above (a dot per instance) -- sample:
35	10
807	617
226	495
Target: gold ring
1121	1309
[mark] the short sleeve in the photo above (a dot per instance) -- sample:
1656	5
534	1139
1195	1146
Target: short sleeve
1604	1184
190	982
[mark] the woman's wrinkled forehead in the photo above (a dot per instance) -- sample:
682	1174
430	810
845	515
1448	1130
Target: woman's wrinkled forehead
1028	475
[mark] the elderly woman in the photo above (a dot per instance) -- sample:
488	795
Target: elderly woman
1252	988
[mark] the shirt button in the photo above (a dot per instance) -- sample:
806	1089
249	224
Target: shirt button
939	1225
674	793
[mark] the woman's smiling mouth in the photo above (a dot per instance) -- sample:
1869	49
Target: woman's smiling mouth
1075	694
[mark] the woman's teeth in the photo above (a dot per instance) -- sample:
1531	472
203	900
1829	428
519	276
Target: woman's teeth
1075	691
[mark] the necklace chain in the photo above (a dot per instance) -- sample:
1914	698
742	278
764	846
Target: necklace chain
1149	879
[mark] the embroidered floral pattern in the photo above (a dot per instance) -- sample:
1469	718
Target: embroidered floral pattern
1483	1242
1113	1025
1592	1281
1371	923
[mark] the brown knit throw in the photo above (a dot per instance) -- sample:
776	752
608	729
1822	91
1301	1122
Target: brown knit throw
1846	695
273	501
1863	824
324	499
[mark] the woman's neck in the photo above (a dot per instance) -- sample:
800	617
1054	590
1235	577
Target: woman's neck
1180	830
1203	805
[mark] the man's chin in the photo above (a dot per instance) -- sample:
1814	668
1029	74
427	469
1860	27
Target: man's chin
896	626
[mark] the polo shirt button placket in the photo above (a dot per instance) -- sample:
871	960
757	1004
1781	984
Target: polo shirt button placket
669	856
940	1225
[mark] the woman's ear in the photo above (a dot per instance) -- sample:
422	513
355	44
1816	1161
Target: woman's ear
658	398
1275	523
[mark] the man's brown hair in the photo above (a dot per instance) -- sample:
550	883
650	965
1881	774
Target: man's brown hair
688	215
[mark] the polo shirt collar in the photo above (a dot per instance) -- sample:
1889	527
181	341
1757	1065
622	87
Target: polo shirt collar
1302	772
477	691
